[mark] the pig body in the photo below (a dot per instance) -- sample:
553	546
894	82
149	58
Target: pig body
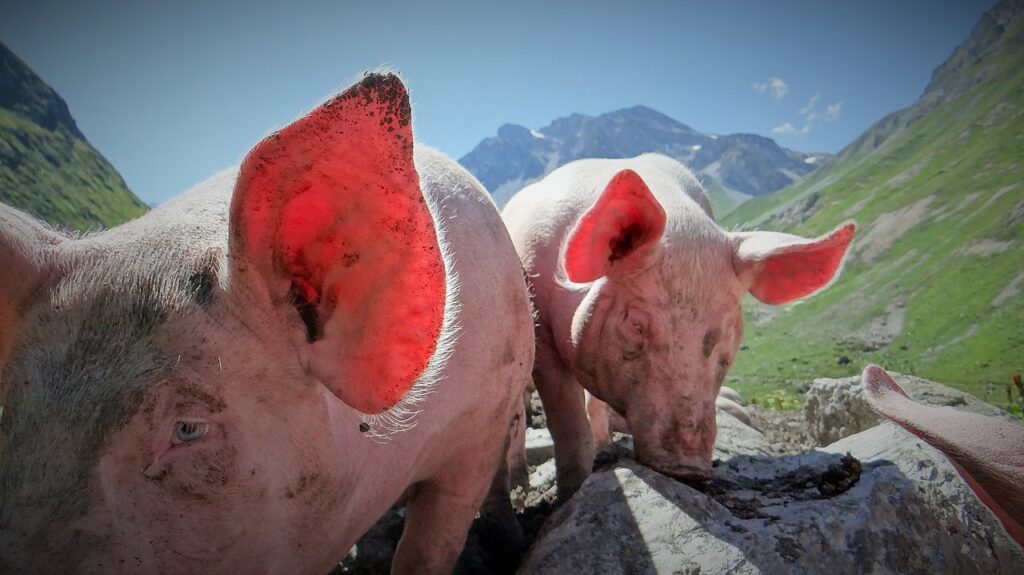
175	398
637	293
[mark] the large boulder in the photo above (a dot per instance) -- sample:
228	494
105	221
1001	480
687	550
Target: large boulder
837	408
893	505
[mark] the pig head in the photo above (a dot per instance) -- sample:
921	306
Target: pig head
987	452
228	383
638	294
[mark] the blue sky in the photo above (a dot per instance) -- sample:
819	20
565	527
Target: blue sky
171	92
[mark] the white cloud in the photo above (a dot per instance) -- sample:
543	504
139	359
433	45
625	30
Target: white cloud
810	105
811	116
832	111
786	128
777	85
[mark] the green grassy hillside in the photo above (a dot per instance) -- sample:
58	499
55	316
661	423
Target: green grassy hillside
934	284
47	168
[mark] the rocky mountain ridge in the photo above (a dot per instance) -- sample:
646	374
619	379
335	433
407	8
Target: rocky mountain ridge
732	167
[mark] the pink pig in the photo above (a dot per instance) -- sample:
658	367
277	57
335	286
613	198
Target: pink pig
987	452
246	378
638	292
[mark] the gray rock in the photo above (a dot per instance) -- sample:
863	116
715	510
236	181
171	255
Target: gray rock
736	437
731	394
539	447
895	506
836	408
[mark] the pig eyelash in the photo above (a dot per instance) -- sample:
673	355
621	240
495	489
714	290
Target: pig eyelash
189	431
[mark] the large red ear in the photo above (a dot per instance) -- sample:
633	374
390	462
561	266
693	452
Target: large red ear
986	451
26	266
778	268
329	213
625	218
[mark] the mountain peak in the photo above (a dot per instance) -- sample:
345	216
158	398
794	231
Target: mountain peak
948	80
514	132
24	93
736	166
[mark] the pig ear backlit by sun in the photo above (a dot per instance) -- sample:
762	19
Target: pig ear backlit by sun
329	214
778	267
625	219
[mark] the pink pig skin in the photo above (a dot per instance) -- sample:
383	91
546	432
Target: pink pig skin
175	388
637	293
987	452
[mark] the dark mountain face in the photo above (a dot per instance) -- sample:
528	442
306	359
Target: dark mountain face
24	93
739	165
47	168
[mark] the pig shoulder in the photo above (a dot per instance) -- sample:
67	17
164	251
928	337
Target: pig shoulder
492	298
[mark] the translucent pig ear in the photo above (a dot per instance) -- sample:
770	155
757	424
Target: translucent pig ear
778	268
988	452
25	269
328	213
625	219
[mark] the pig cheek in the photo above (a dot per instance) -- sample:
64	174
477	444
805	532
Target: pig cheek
204	476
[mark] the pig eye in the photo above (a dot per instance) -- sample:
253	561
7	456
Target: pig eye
634	329
187	431
635	322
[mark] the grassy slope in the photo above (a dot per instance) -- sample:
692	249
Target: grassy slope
966	156
721	203
60	178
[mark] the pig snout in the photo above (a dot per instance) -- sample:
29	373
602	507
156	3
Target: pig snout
678	445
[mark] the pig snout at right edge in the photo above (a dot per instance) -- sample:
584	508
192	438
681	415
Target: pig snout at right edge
987	452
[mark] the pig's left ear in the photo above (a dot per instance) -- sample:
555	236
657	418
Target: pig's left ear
778	268
27	260
625	220
328	215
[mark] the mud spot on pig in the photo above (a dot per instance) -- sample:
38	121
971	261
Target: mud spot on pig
509	356
305	482
349	259
711	339
190	394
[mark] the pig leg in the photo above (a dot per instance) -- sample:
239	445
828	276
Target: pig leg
566	413
518	470
499	533
600	422
439	513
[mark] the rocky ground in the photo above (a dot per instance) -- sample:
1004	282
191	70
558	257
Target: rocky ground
786	432
776	503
